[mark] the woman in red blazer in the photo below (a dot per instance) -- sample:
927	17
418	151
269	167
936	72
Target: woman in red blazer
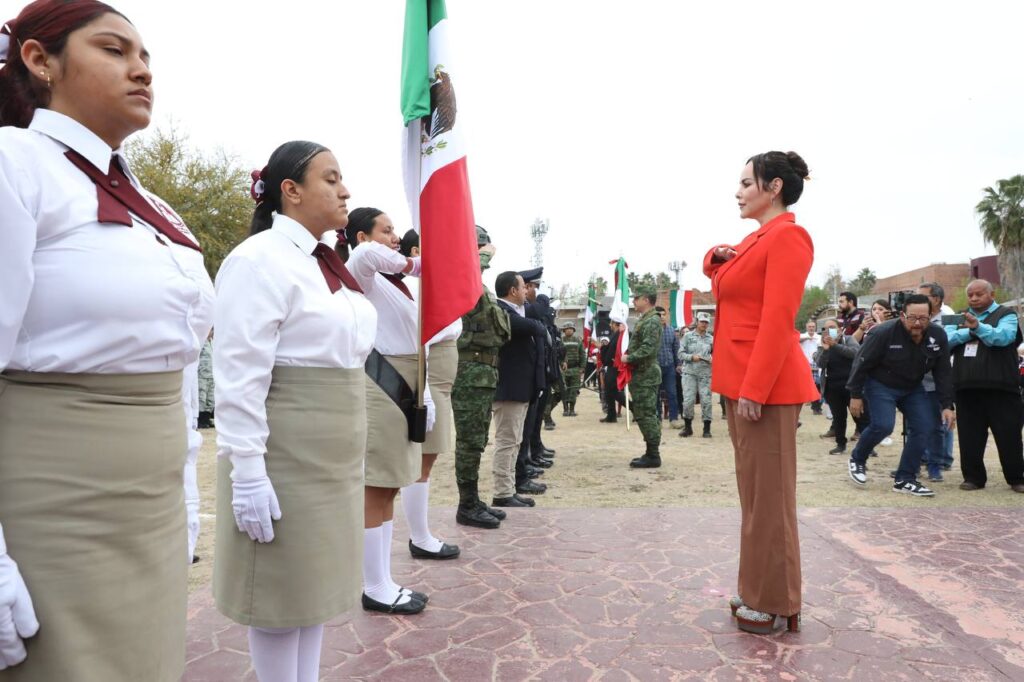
759	368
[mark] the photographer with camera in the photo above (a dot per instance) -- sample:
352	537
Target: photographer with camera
835	358
986	380
888	372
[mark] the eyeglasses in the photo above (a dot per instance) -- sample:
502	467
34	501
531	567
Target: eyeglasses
916	319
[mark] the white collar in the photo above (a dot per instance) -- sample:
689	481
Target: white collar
76	136
294	230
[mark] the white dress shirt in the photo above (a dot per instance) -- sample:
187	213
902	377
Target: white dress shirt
274	308
81	296
397	314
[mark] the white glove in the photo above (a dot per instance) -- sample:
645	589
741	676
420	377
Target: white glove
191	507
254	503
428	402
17	616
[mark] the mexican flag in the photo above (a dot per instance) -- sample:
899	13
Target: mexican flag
436	178
620	310
588	319
681	308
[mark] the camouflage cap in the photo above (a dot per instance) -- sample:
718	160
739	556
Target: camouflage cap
482	238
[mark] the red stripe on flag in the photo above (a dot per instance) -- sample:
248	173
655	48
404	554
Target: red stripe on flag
688	307
450	283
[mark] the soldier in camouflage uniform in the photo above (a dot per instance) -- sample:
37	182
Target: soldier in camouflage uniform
572	368
695	354
645	384
485	329
206	385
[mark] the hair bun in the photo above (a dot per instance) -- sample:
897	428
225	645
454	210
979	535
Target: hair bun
798	165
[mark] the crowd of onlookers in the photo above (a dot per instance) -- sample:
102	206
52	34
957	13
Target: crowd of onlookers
940	369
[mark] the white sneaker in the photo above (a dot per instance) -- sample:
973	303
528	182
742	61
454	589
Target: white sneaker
858	473
886	441
912	488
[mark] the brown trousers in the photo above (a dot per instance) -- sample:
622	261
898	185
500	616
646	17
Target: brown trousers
769	578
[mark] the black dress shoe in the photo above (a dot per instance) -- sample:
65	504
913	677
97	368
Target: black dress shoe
528	501
541	462
407	609
477	516
446	552
496	513
514	501
546	451
531	488
533	472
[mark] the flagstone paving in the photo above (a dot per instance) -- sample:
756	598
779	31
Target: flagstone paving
641	594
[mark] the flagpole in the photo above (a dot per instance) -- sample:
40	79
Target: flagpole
421	355
626	392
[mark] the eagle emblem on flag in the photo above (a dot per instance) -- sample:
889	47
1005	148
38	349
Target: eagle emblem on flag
442	111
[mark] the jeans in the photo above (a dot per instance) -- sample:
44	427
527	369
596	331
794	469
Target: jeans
916	407
668	384
935	456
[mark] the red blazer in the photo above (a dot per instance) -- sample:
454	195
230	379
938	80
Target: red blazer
757	348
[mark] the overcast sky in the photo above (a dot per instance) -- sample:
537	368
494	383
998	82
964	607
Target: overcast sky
627	124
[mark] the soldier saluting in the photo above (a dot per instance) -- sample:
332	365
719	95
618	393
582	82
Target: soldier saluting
485	329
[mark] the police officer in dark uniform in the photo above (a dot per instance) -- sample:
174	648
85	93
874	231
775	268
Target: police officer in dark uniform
485	329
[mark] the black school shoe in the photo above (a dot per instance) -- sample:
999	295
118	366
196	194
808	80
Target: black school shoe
446	552
409	608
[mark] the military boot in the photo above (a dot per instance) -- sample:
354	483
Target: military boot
707	430
572	408
687	428
650	459
565	408
471	512
549	423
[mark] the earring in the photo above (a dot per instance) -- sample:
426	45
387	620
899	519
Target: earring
49	82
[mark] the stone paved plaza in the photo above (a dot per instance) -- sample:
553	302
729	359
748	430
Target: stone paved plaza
641	594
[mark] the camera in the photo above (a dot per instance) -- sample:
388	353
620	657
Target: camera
897	301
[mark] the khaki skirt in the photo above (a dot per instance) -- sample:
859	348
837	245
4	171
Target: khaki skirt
392	460
93	509
312	570
444	363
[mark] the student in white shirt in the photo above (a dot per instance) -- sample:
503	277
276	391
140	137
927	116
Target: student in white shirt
105	301
293	333
442	365
392	460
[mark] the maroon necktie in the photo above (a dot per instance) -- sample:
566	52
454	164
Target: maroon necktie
334	269
397	281
116	196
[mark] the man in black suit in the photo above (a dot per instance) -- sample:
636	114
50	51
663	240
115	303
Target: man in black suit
520	380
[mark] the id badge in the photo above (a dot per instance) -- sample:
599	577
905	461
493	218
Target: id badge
971	350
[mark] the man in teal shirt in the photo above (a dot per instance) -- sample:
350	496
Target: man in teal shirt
986	382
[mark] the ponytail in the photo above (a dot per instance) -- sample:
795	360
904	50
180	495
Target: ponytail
288	162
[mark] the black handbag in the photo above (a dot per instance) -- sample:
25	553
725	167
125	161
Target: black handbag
394	385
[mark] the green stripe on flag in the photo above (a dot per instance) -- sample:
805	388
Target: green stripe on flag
420	17
673	306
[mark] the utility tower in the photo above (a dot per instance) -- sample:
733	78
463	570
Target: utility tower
537	232
677	267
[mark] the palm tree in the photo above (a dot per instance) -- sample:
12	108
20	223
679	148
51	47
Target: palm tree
1001	217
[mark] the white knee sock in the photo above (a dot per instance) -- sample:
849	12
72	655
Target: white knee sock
415	502
310	641
275	653
377	582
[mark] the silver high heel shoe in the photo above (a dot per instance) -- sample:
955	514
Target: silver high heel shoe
758	623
